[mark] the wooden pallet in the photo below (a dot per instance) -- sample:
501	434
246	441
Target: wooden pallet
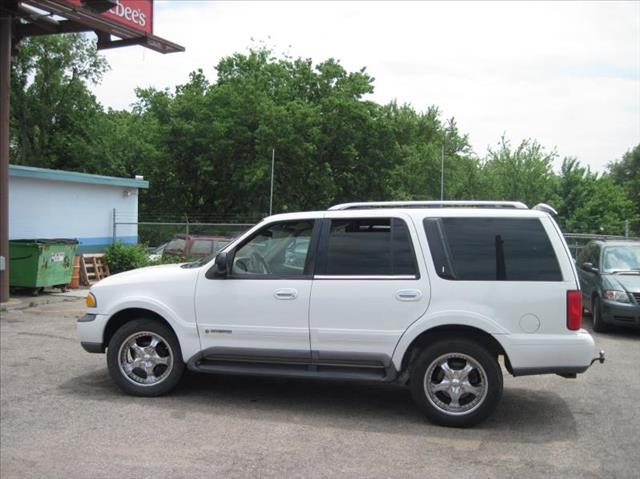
93	267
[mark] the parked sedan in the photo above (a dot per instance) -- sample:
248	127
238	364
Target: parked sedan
609	274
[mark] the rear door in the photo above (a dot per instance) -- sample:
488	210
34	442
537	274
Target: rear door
503	268
369	286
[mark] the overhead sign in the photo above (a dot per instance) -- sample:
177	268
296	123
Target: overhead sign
136	14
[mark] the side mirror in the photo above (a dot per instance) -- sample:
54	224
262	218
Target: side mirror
220	268
590	268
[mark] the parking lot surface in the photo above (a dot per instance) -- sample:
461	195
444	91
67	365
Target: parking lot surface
61	416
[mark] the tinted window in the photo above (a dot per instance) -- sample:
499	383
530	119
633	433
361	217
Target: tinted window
491	249
370	246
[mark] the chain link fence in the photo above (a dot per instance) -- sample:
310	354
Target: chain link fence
154	230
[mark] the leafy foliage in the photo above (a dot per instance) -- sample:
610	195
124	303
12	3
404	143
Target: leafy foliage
626	173
588	203
524	173
123	257
56	122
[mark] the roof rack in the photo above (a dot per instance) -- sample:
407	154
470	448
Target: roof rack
429	204
546	208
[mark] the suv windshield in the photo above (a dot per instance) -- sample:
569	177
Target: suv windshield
621	258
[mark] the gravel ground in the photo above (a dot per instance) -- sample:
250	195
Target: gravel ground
61	416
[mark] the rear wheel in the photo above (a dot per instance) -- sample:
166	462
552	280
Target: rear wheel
456	382
599	326
144	358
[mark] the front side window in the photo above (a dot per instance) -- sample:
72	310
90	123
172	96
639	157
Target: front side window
278	250
491	249
369	247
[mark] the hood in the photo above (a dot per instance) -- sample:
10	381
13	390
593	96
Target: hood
624	282
148	274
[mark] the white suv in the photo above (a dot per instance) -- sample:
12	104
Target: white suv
428	294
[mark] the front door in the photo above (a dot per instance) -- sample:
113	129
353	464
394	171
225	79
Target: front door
262	307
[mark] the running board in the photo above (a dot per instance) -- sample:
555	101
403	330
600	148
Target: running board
289	367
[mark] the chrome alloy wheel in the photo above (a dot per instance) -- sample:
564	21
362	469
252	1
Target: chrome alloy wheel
455	383
145	358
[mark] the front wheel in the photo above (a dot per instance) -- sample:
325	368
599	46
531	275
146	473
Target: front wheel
457	382
144	358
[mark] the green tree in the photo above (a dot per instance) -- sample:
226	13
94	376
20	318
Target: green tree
332	144
418	139
55	120
524	173
588	203
626	173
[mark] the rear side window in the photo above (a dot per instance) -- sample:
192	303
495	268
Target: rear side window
491	249
370	247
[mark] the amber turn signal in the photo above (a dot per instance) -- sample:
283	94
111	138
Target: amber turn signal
90	301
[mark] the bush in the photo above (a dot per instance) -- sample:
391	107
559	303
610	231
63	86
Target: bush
123	257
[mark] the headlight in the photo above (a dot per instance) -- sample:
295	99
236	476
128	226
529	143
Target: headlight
90	301
618	296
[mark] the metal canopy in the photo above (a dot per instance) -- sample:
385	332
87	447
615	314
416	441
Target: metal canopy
87	16
129	21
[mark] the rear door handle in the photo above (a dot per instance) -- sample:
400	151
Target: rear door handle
285	293
408	295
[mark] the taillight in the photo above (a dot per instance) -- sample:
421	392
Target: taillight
574	310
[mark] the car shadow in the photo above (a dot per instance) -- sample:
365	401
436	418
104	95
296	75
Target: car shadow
523	415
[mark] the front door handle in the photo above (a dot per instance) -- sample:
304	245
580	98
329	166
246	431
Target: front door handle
408	295
285	293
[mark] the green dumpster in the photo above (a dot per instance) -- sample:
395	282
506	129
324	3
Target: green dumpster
39	263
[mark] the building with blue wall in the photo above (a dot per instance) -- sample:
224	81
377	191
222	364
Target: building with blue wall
47	203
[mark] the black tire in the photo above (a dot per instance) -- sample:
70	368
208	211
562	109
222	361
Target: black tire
599	326
486	376
162	377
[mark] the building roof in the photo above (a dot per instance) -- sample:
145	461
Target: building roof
74	177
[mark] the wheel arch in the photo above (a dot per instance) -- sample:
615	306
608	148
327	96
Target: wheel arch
117	320
437	333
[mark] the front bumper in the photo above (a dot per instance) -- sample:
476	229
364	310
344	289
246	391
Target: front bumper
90	329
92	347
623	314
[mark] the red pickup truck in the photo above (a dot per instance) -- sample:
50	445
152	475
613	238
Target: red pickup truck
195	246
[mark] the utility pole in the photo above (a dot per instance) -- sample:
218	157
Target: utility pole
5	89
273	162
442	172
114	236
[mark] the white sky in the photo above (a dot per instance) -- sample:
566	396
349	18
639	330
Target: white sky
566	74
